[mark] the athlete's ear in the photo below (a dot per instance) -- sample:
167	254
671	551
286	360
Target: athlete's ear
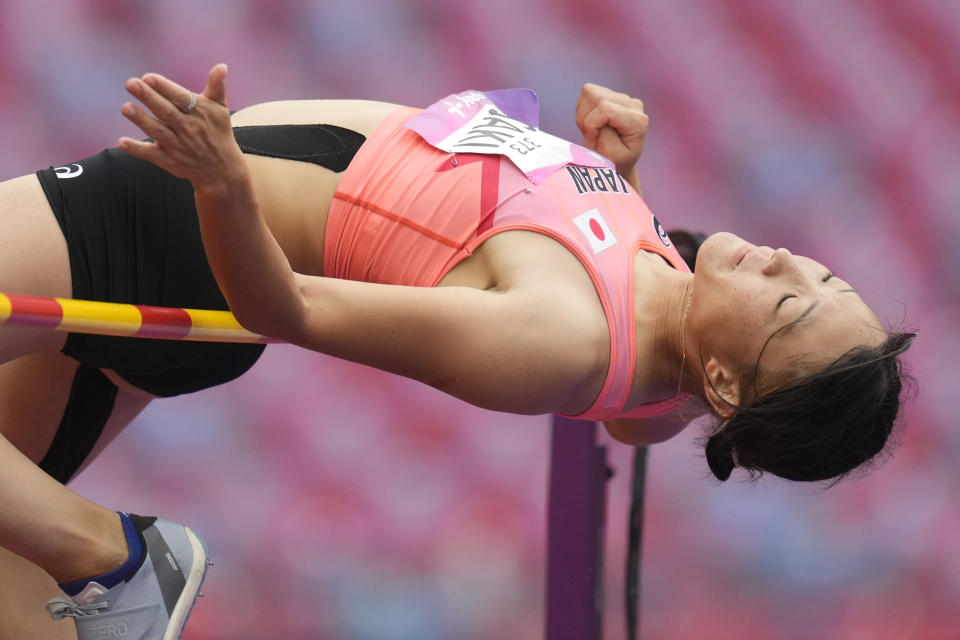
721	386
216	88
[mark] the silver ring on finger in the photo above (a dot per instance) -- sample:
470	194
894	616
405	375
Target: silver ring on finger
193	103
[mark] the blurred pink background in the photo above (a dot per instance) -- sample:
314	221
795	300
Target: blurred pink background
341	503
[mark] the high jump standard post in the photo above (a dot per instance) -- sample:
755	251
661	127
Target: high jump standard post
576	517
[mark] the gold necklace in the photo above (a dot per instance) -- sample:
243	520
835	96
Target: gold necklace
683	341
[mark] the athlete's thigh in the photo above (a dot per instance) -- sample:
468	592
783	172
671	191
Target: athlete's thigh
34	391
33	260
25	589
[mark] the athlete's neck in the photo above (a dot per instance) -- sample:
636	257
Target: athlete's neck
662	296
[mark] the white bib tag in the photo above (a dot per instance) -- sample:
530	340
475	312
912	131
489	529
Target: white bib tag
500	123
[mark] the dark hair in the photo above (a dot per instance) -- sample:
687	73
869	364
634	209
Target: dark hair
687	244
820	427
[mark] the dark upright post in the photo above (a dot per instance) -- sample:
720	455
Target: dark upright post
575	521
635	542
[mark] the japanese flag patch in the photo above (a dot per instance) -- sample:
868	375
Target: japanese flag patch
595	228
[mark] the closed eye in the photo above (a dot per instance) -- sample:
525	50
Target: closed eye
790	295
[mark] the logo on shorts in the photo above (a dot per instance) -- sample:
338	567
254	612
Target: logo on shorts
595	228
72	171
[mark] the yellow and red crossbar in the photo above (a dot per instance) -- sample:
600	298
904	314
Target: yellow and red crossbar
128	320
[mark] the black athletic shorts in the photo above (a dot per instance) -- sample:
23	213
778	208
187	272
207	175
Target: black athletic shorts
133	236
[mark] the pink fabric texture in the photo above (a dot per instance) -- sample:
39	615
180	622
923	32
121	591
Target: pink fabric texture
407	213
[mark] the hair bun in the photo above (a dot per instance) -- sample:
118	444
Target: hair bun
720	456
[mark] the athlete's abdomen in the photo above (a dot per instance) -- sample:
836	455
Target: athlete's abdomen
294	196
403	212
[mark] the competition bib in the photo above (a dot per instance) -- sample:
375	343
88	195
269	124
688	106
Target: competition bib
501	123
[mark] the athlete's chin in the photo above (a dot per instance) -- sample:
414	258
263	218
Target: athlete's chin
714	248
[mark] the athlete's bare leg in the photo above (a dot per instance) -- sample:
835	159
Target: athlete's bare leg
24	589
33	261
51	534
44	523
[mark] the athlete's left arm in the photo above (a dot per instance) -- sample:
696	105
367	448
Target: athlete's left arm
615	126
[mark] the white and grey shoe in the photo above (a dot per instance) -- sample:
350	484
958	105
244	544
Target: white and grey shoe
155	601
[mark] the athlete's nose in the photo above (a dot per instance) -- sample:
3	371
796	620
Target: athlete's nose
780	261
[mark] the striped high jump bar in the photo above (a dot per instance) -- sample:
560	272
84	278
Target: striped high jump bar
127	320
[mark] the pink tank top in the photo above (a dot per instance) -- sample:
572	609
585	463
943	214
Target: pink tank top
595	214
442	213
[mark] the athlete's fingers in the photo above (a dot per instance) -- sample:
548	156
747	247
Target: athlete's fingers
596	126
174	161
157	103
584	104
197	144
617	131
587	99
631	123
167	149
142	149
216	88
609	143
598	106
178	96
591	95
150	126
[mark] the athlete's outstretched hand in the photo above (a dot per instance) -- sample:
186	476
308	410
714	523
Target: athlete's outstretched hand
614	125
192	136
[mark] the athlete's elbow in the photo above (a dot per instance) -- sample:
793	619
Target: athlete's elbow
281	324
